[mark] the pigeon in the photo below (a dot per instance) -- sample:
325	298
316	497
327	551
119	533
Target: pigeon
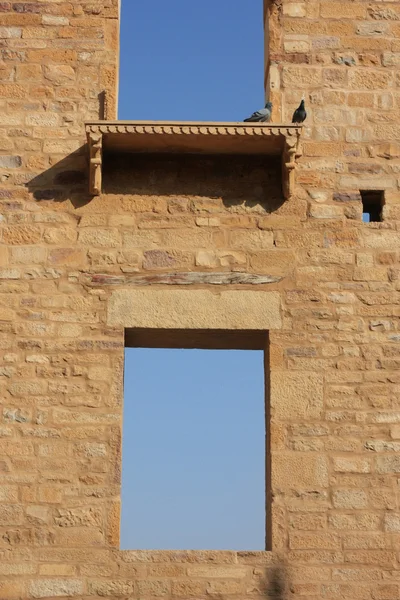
299	114
261	116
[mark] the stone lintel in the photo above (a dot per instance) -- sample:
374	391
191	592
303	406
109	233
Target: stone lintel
194	309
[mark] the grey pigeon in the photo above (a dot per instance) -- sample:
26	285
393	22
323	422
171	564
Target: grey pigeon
300	114
261	116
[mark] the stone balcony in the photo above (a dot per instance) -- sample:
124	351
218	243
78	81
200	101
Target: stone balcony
203	138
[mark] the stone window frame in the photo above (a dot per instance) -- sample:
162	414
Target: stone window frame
203	319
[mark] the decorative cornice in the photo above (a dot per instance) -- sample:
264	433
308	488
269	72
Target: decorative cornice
192	128
194	137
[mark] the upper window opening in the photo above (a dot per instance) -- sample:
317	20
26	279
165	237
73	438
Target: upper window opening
191	61
372	201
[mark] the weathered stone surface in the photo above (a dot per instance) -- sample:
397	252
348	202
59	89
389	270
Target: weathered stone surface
28	255
21	234
111	588
350	499
155	259
201	309
45	588
78	517
299	471
180	278
10	162
296	395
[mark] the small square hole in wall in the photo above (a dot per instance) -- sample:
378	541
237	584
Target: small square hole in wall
372	202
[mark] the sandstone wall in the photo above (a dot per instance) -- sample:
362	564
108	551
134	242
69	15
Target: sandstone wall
334	351
344	56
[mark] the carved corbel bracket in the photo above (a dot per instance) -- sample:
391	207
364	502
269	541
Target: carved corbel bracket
291	152
95	141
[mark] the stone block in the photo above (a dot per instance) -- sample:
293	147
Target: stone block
28	255
67	256
317	541
244	239
60	570
388	464
217	571
155	587
54	20
301	76
111	588
362	521
22	234
55	588
343	10
298	471
17	569
43	120
293	45
78	517
230	258
10	32
96	237
294	9
317	211
37	514
386	591
10	161
351	465
296	396
206	258
10	514
369	79
307	522
159	259
350	499
194	309
59	74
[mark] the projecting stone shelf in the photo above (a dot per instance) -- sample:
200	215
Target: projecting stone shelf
192	278
193	138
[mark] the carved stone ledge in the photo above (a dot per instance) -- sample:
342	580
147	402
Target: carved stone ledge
195	138
191	278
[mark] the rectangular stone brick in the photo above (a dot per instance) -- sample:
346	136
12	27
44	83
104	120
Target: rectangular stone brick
351	465
44	588
307	541
296	395
350	499
311	471
340	10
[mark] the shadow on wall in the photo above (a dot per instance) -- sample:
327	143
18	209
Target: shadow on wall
247	181
238	180
274	585
277	584
69	178
66	180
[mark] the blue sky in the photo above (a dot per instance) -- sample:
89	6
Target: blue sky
193	443
193	450
186	60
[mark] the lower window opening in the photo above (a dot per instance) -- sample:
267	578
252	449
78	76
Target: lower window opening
194	447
